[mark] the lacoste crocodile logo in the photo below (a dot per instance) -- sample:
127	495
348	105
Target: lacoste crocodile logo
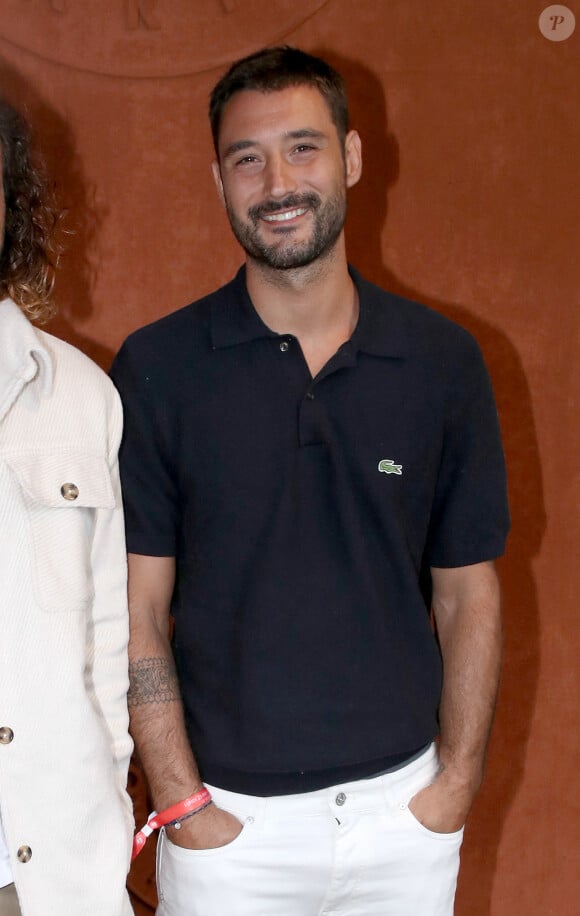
388	466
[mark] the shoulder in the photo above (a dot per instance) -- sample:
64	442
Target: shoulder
82	400
74	371
167	331
410	328
188	326
165	357
416	318
70	359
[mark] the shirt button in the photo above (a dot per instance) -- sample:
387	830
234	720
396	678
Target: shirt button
6	735
69	491
340	798
24	854
284	346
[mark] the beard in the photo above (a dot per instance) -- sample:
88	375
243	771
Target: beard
328	222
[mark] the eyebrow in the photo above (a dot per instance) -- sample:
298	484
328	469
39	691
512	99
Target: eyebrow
237	147
302	133
305	132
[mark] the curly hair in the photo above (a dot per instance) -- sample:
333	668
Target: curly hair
28	255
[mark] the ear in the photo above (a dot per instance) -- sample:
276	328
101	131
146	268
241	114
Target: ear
217	177
352	158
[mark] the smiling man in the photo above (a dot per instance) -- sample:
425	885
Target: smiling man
311	465
283	225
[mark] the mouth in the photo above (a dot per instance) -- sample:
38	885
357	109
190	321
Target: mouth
285	215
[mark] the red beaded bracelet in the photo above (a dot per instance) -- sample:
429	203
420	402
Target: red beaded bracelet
170	817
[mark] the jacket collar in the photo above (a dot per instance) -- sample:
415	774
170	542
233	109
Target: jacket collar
380	330
23	357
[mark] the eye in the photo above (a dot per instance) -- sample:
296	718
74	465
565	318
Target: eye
304	148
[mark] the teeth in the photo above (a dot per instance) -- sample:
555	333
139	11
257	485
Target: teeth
288	214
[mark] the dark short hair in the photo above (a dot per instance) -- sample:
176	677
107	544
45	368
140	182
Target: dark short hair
27	257
272	69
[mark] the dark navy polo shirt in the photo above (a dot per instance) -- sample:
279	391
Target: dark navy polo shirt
304	515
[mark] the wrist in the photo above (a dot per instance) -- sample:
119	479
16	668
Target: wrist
176	824
172	793
171	817
193	804
193	826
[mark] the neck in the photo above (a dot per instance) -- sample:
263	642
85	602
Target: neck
305	301
317	304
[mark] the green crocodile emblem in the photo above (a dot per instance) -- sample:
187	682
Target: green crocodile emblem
388	466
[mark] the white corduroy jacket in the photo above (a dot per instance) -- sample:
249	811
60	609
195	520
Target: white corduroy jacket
64	743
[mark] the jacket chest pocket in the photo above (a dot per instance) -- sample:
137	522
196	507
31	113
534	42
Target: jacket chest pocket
62	493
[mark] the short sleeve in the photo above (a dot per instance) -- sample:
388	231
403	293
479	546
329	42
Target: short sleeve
149	486
470	518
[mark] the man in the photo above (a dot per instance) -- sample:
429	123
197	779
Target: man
310	464
65	817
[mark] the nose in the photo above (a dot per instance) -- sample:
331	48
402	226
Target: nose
278	177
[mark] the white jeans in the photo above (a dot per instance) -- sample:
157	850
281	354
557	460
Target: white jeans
349	850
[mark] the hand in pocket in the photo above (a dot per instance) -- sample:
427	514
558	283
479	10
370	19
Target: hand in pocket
210	829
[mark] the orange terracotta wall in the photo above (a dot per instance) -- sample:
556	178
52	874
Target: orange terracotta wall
469	202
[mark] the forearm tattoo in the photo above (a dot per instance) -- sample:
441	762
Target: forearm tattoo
152	680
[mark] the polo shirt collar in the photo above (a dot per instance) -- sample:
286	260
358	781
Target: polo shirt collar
380	329
234	320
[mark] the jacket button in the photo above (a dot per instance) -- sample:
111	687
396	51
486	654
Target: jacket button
69	491
6	735
24	854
